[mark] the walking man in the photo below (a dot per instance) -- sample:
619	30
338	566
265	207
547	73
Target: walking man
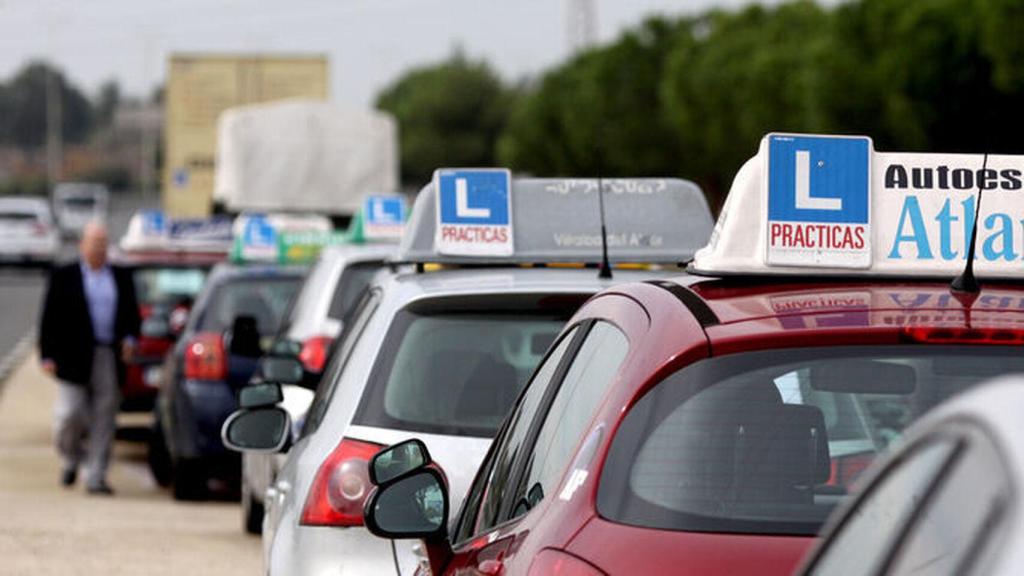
89	325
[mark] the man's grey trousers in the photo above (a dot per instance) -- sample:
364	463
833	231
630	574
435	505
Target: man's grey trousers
85	419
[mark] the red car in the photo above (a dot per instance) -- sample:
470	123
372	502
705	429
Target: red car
166	284
709	425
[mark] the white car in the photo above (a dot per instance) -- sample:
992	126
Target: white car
328	295
75	204
27	233
946	501
440	349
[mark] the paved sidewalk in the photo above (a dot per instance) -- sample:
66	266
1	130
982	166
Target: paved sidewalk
46	529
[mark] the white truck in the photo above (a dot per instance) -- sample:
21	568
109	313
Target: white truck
303	156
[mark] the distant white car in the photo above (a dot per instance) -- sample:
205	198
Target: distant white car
27	232
75	204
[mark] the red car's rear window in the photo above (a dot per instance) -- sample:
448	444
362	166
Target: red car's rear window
770	442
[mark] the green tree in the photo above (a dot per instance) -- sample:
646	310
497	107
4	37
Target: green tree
449	114
601	112
108	100
741	75
23	108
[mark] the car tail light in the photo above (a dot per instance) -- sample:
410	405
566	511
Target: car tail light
314	353
205	358
554	563
341	486
40	229
987	335
846	469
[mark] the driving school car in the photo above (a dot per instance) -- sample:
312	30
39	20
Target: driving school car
489	270
710	423
169	260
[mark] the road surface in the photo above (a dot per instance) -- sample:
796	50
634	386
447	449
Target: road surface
46	529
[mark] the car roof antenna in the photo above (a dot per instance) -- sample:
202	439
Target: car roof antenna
966	283
605	271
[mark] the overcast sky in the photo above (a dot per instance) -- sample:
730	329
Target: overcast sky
369	42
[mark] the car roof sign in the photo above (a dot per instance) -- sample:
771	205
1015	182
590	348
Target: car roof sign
832	205
383	216
557	220
474	212
152	230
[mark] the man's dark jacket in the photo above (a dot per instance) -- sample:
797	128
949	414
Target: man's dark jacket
65	331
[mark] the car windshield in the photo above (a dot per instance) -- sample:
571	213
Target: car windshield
456	372
265	299
82	202
770	442
171	285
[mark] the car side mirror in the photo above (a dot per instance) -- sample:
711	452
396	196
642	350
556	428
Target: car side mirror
413	506
260	395
281	369
398	460
157	327
258	430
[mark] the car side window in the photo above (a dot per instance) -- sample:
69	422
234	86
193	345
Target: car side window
578	398
864	540
485	498
332	373
961	518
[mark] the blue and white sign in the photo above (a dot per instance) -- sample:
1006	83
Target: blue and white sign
384	217
154	223
474	212
819	201
214	229
259	238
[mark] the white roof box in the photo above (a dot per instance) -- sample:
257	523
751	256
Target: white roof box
484	216
832	205
152	230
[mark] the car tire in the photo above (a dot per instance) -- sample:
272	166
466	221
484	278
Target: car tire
252	511
189	480
158	458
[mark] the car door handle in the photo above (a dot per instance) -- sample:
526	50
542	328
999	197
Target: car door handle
491	567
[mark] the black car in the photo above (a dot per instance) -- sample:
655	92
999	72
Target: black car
231	323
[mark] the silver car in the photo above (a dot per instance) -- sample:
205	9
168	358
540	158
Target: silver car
946	501
27	232
328	295
441	352
75	204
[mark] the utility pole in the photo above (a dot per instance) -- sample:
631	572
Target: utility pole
581	24
54	121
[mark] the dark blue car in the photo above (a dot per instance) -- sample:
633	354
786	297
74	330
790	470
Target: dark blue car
231	323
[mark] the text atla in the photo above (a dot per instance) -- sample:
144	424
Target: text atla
817	236
943	235
463	234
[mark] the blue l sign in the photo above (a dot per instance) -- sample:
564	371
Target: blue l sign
819	201
384	210
818	179
473	197
474	212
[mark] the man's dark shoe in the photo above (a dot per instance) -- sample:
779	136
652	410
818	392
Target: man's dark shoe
101	490
68	477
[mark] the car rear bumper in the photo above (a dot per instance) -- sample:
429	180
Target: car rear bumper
313	551
21	249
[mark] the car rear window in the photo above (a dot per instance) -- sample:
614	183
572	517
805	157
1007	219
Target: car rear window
170	285
770	442
458	370
19	218
264	298
354	279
